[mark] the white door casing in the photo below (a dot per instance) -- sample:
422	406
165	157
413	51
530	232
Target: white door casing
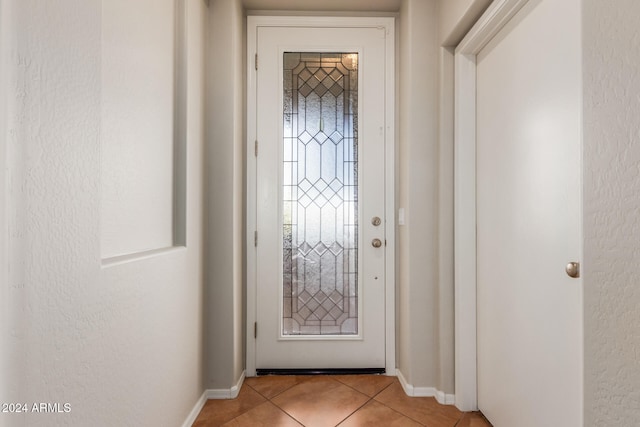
518	161
270	37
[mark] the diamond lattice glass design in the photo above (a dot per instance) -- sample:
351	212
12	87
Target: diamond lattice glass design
320	194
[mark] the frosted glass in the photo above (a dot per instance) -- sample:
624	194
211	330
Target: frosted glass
320	188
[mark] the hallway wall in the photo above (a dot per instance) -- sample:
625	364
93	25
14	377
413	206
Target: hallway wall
425	285
610	299
611	59
6	40
224	311
418	194
425	254
119	340
456	17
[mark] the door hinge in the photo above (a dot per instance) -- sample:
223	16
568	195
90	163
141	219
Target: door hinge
255	238
256	148
255	329
256	61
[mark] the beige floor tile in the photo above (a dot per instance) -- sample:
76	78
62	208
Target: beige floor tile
264	415
367	384
327	401
217	412
473	419
425	410
320	402
375	414
272	385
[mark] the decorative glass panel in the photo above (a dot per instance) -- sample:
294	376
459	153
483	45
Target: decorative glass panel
320	188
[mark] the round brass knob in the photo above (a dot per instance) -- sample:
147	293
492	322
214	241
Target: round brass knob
376	243
573	270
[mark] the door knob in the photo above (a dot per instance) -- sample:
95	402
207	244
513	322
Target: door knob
376	243
573	269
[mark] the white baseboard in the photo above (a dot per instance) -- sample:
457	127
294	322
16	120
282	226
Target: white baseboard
191	418
410	390
228	393
444	398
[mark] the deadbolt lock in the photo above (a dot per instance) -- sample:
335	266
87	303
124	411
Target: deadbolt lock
376	221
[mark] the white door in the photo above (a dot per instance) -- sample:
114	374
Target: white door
529	219
320	198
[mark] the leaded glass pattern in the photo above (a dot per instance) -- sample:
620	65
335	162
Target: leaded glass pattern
320	194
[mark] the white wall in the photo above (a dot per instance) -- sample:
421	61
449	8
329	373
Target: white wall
6	85
121	344
445	325
426	283
456	17
611	216
418	194
225	188
138	63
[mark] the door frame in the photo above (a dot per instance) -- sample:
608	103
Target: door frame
388	23
490	23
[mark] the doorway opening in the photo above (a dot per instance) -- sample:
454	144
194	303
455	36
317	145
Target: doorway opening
320	194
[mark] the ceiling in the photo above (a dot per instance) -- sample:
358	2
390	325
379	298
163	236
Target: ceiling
325	5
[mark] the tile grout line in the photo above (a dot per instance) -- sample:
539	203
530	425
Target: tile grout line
377	393
282	391
395	410
287	414
356	410
402	413
269	399
345	418
372	398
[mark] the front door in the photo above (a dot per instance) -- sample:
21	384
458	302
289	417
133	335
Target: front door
529	310
321	222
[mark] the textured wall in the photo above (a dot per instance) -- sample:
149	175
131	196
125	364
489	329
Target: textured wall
225	160
137	206
612	212
5	85
121	344
418	194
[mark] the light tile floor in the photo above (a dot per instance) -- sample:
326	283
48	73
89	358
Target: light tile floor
329	401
